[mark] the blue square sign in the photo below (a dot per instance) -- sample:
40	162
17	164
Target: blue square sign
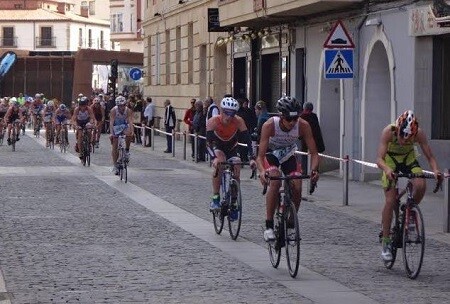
338	64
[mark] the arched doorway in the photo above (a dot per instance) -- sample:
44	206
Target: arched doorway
378	102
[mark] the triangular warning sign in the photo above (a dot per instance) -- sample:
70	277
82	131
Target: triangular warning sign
339	37
339	65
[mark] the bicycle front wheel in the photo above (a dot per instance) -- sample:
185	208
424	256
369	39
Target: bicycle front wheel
235	209
292	236
275	246
413	241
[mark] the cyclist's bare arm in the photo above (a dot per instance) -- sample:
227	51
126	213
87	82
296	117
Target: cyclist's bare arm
112	117
421	139
386	137
267	131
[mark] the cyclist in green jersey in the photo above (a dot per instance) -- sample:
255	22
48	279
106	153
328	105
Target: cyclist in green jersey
396	154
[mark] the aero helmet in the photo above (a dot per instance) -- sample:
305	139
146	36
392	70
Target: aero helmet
407	125
288	106
83	101
120	101
229	103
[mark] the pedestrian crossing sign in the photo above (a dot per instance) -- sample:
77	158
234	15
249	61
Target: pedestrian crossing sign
338	64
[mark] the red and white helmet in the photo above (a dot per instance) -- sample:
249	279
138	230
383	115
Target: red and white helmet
407	125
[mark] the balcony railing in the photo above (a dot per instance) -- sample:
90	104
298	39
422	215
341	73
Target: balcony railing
8	41
46	42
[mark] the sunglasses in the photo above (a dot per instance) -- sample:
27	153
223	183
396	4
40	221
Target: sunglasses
290	118
229	113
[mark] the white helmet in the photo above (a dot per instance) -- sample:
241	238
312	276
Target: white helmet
51	103
120	101
13	99
229	103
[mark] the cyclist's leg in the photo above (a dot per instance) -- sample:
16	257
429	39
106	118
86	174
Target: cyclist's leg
58	130
220	157
419	184
79	136
293	167
114	151
271	164
9	130
129	137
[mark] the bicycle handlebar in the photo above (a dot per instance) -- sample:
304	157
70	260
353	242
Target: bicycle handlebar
421	175
289	177
232	164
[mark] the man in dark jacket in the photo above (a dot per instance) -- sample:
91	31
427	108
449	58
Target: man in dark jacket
169	122
199	125
313	121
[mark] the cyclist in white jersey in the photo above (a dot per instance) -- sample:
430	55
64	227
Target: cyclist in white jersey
120	120
49	114
277	146
82	117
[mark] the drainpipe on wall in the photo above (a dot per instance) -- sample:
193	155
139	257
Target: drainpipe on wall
356	142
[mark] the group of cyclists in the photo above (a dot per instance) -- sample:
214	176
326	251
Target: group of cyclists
85	112
276	155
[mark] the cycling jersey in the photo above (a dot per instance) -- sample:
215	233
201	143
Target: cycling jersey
97	109
282	148
48	114
61	116
225	137
13	116
400	158
120	120
83	117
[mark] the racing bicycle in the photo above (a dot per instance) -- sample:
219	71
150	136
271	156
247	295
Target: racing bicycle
407	227
231	204
286	226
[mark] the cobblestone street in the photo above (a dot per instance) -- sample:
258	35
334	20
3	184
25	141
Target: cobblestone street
74	234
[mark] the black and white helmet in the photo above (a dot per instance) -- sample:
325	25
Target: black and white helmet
83	101
229	103
288	106
120	101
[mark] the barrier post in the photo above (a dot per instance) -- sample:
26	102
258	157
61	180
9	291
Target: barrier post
195	147
152	131
447	203
345	182
184	145
173	142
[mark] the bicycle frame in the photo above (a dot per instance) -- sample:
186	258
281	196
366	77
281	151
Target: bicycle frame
407	228
286	226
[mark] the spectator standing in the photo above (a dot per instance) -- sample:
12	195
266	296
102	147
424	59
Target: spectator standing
262	117
149	114
169	123
199	126
188	119
137	119
212	109
313	121
249	118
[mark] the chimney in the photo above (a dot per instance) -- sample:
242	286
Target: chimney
61	8
84	11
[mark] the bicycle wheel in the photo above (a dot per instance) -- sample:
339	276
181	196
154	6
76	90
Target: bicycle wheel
235	209
413	241
396	238
275	247
292	236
